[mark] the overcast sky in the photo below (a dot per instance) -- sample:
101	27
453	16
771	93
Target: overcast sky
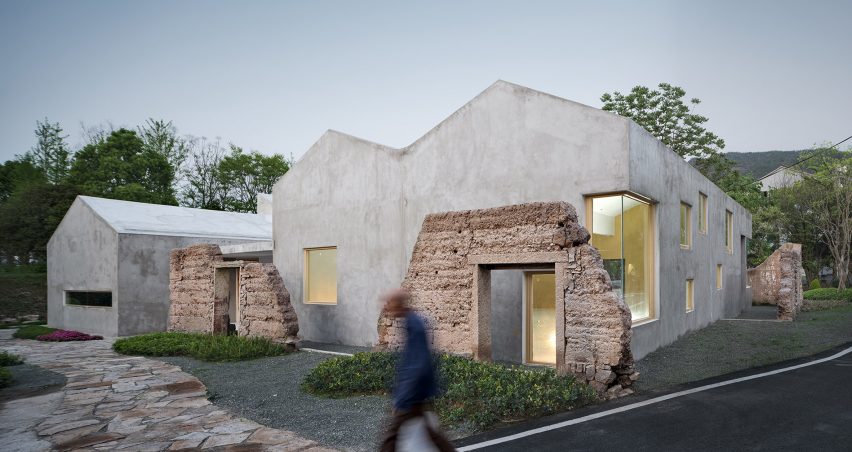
273	76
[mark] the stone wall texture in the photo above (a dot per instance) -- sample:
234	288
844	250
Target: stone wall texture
442	280
778	281
191	288
264	302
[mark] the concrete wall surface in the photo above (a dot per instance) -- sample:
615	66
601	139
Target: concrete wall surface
82	255
509	145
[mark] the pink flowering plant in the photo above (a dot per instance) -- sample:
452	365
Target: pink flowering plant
66	335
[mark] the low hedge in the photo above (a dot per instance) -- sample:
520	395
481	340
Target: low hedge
473	393
206	347
9	359
32	331
828	294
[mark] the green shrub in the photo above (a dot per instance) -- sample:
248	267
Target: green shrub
9	359
206	347
5	377
814	284
828	294
473	393
32	331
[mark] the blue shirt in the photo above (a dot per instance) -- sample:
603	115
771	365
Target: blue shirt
415	374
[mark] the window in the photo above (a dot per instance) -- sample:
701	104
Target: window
719	276
690	294
702	213
541	318
622	229
729	231
81	298
685	226
321	275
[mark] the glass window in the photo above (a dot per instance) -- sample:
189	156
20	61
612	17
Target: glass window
541	318
621	231
729	231
83	298
719	276
685	225
690	294
702	213
321	275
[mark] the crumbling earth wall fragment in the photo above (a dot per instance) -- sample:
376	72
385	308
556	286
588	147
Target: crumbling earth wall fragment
778	281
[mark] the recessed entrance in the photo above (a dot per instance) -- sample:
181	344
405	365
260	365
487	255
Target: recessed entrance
540	316
226	300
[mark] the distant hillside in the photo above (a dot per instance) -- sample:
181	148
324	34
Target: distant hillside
758	164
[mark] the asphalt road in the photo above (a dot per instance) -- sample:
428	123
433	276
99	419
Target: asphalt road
800	410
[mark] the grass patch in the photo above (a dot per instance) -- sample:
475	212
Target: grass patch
828	294
32	331
9	359
206	347
20	324
5	377
474	394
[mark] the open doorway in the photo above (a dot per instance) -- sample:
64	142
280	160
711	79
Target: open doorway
226	300
540	318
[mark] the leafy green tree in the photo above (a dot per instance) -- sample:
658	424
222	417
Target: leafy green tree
29	217
121	167
16	173
244	175
664	113
50	154
161	137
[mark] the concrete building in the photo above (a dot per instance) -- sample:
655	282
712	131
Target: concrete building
108	261
347	215
779	178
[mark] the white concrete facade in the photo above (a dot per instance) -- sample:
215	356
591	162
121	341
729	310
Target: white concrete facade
122	247
509	145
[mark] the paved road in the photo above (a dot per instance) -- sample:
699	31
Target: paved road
800	410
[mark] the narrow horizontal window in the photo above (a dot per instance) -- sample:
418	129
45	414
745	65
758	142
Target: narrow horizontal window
83	298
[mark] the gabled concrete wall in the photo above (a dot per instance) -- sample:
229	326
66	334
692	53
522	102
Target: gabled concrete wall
82	255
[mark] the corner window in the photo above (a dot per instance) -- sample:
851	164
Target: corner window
321	275
690	295
86	298
622	230
719	276
685	226
702	213
729	231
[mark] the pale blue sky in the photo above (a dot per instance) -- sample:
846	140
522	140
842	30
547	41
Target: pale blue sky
273	76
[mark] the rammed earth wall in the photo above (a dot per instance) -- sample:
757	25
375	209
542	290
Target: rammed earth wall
778	281
199	305
449	281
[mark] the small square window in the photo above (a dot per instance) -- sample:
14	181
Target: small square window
690	295
321	275
685	226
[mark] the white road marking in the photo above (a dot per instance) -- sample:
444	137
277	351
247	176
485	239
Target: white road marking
653	401
756	320
314	350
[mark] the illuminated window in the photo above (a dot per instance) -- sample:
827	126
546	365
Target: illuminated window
685	226
702	213
622	230
719	276
541	318
321	275
690	295
729	231
82	298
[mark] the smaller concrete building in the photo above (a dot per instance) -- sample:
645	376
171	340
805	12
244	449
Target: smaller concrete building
779	178
108	261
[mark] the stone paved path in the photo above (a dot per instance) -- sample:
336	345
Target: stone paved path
116	402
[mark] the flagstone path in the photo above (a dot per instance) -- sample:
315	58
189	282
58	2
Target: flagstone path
116	402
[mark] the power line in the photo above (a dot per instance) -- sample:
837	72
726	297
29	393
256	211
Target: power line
815	154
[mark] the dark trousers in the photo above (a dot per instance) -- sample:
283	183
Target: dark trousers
401	417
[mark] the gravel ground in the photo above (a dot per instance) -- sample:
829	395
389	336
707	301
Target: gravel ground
731	345
29	380
267	391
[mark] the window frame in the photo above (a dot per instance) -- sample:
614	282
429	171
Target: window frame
690	295
306	280
720	277
688	217
66	292
729	231
702	213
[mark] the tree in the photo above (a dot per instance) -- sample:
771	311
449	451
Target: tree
161	137
29	217
665	115
15	173
245	175
50	154
120	167
823	200
201	188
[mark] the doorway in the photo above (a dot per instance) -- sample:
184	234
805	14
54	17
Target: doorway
540	313
226	305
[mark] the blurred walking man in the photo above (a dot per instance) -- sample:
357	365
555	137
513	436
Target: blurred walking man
415	384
